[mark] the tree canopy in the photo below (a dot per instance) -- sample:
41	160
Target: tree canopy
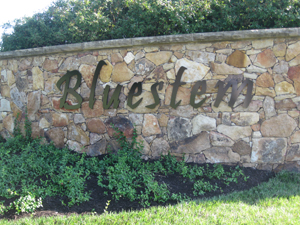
74	21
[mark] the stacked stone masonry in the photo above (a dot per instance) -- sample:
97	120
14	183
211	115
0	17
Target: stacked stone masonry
265	135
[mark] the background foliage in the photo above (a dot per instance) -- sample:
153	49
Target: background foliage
73	21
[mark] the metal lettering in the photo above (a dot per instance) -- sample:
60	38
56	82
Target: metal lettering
132	93
114	98
176	86
195	92
155	94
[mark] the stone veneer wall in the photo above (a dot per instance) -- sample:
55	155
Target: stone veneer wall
265	135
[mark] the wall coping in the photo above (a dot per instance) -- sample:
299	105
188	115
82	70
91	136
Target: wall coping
156	40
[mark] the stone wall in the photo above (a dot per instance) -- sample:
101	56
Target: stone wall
265	135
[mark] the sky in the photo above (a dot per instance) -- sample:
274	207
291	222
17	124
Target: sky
15	9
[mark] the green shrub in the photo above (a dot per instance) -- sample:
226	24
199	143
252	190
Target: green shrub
74	21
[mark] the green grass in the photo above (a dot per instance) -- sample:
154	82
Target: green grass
274	202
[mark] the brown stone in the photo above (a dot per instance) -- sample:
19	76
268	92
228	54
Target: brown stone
121	73
121	124
95	112
75	133
60	119
50	65
159	58
191	145
34	103
36	130
265	80
56	135
278	126
285	104
183	94
294	73
96	125
238	59
25	64
150	125
56	103
87	72
265	59
255	127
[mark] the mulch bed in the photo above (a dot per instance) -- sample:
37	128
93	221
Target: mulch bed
177	184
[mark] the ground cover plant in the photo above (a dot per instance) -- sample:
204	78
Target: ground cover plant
37	177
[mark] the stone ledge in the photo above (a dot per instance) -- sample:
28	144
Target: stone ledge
157	40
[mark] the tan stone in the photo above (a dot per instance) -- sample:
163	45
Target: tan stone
44	123
265	80
183	94
221	155
50	65
38	79
184	111
146	147
235	132
75	133
284	88
56	135
116	57
201	57
70	64
223	107
279	50
292	51
245	118
163	120
87	72
265	59
10	78
238	59
95	112
295	138
96	125
194	72
240	44
197	46
88	59
50	85
5	91
159	147
278	126
34	103
75	146
150	125
36	130
225	69
106	71
159	58
8	123
121	73
258	44
265	92
295	61
60	119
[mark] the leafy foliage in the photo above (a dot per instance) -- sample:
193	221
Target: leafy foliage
74	21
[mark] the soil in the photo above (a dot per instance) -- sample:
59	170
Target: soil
177	184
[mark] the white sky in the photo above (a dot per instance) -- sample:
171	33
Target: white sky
15	9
